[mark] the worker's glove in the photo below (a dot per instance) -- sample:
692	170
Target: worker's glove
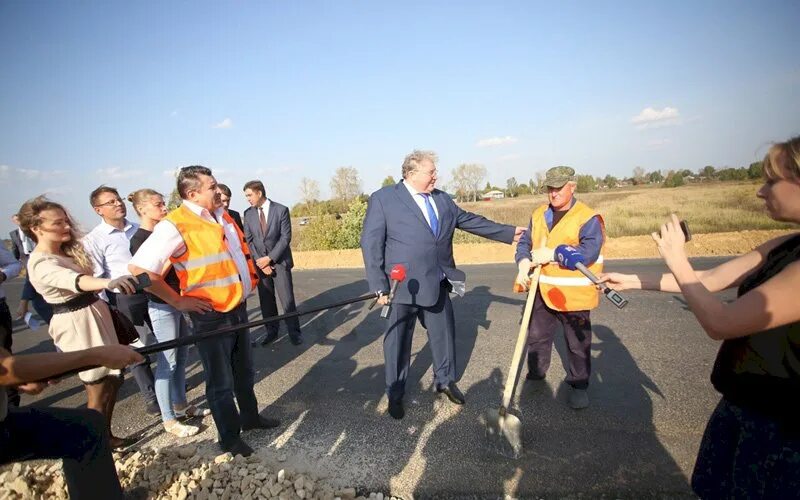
569	257
542	256
523	277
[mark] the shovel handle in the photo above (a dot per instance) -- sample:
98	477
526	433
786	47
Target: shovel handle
513	372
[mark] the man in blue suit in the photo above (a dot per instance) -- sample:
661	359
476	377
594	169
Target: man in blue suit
412	223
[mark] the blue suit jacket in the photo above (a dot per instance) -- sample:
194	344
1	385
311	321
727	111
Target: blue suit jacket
396	232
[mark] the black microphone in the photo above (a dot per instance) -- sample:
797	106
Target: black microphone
397	275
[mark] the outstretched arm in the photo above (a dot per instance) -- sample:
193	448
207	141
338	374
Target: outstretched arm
20	369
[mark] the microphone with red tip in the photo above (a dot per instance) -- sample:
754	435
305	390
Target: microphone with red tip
397	275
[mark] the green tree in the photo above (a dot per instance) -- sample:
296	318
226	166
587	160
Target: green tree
174	200
388	181
586	184
350	225
655	177
708	172
610	181
755	170
512	187
673	179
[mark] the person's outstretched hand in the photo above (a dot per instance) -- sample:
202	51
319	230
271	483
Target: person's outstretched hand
671	242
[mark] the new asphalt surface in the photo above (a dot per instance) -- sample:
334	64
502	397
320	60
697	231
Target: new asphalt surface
650	397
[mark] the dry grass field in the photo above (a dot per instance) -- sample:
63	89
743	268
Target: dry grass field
708	207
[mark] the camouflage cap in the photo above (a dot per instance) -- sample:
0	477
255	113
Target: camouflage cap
558	176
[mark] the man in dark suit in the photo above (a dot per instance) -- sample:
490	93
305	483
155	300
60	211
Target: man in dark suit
22	248
412	223
225	196
268	232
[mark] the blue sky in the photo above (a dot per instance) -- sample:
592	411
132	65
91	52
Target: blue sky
123	93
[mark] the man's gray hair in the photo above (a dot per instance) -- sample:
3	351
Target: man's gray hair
413	160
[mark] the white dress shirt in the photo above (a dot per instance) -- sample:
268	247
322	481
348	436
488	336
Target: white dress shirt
166	241
110	249
419	199
27	244
10	267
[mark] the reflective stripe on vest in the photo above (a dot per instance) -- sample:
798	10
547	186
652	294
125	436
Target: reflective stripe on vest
563	289
206	270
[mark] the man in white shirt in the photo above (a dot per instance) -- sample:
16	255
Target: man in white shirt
108	244
207	250
9	269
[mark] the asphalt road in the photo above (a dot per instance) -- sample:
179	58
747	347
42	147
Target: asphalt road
650	398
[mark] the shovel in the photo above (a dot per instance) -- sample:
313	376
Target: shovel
503	429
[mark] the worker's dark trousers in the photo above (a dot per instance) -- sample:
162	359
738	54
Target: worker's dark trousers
577	332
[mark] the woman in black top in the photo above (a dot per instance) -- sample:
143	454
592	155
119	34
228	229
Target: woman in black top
751	445
168	324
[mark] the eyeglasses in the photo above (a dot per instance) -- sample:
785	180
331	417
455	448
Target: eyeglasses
111	203
432	173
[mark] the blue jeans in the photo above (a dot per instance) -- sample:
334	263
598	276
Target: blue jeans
170	384
228	366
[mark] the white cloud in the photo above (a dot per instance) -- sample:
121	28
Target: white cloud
654	118
117	173
226	123
496	141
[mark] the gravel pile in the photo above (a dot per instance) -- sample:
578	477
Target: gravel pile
182	473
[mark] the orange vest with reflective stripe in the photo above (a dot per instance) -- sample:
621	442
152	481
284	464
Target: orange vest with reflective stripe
562	289
206	270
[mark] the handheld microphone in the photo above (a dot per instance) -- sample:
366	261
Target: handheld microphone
397	275
570	258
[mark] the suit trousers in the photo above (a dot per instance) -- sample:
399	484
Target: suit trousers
79	436
6	342
228	365
281	282
439	321
577	332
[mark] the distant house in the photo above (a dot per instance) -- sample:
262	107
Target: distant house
493	195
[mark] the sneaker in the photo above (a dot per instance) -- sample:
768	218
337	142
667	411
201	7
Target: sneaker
32	322
578	398
152	408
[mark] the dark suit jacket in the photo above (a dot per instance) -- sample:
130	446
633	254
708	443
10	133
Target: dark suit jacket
236	218
279	234
18	249
396	232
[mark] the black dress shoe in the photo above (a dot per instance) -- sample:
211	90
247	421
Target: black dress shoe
396	409
268	338
295	339
261	423
533	376
453	393
238	447
118	444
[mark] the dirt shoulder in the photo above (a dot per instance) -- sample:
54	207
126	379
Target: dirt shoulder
626	247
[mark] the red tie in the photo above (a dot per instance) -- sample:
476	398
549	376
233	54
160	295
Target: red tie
262	220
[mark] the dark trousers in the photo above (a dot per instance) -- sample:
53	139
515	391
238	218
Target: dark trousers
577	332
747	455
79	436
228	365
281	282
438	320
42	308
134	307
6	341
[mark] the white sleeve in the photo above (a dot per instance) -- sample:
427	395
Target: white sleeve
95	255
156	250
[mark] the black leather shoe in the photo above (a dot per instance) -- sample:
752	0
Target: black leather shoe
396	409
533	376
152	408
238	447
268	338
261	423
118	444
295	339
453	393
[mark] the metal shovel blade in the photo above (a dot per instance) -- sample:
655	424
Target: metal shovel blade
503	432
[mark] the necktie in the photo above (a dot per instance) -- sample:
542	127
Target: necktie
433	220
262	220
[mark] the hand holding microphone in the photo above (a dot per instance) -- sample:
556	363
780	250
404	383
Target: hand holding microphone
570	258
397	275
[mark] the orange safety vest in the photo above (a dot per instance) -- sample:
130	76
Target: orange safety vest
562	289
206	270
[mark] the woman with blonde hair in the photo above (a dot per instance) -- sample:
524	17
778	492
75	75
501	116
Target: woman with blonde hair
751	445
61	271
168	324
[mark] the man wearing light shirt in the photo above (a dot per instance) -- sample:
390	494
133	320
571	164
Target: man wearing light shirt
9	269
212	261
108	245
